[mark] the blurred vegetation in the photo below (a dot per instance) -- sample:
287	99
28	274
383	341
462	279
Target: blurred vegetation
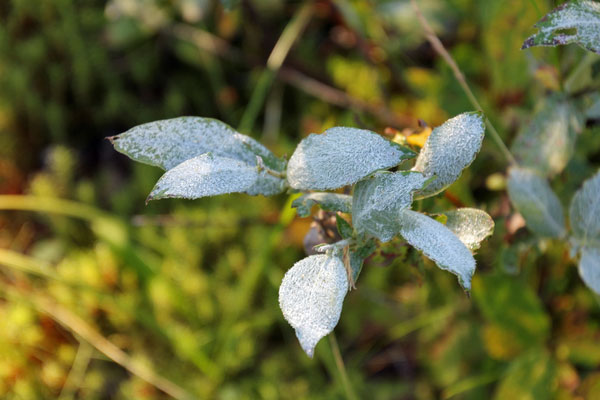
104	298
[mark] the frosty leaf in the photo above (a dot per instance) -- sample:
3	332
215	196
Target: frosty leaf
311	296
471	226
170	142
589	268
377	200
534	199
584	212
327	201
449	149
439	244
573	22
547	143
205	175
341	156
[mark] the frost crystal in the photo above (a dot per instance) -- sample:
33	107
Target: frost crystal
581	15
341	156
205	175
311	296
439	244
378	200
449	149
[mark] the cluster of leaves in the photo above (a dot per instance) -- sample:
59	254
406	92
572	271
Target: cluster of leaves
545	146
205	157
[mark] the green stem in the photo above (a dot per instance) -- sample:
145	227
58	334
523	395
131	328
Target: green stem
283	46
339	362
441	50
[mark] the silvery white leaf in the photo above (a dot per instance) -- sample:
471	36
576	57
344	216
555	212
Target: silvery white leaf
471	225
205	175
449	149
585	212
547	143
311	296
439	244
583	16
170	142
589	268
378	199
327	201
341	156
534	199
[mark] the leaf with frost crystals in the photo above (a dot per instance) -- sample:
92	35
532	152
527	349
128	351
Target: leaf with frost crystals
341	156
205	175
580	16
449	149
589	268
378	199
585	213
168	143
547	143
471	225
327	201
439	244
311	296
534	199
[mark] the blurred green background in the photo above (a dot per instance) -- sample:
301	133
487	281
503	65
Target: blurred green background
102	297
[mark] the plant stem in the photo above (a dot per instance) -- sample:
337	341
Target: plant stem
339	362
441	50
283	46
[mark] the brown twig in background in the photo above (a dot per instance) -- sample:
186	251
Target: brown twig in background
439	48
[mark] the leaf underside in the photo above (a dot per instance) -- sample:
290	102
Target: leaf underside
532	196
584	213
449	149
471	226
547	143
589	268
341	156
556	28
439	244
311	296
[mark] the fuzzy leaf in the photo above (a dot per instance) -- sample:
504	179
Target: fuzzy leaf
327	201
589	268
205	175
311	296
449	149
341	156
439	244
534	199
168	143
378	199
584	213
471	225
547	143
573	22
